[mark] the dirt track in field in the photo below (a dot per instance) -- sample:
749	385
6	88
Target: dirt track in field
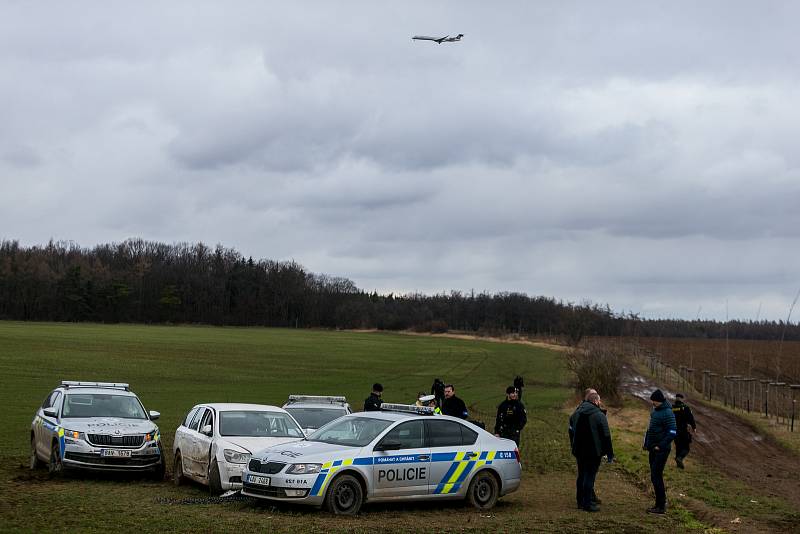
734	446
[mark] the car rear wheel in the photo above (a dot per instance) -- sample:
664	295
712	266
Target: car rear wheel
36	463
55	466
177	470
214	483
483	491
345	496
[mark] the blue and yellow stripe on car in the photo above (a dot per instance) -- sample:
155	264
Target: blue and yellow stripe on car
462	466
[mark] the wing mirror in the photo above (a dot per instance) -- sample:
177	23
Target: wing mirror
206	430
388	446
51	412
154	415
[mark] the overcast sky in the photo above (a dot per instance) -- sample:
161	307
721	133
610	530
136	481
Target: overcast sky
640	154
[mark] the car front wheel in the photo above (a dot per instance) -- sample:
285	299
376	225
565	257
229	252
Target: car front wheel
345	496
177	470
483	491
55	467
214	483
36	463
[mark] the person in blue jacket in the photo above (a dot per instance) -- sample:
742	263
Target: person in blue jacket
658	439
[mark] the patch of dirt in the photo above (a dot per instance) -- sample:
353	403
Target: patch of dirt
733	445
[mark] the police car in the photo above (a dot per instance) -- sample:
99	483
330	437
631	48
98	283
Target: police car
214	442
400	453
96	426
315	411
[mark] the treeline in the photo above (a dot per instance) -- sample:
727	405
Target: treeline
139	281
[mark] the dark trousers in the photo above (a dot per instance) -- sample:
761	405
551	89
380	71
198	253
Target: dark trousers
682	444
513	434
584	485
658	459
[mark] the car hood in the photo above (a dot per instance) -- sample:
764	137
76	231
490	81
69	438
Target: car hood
307	450
114	426
252	445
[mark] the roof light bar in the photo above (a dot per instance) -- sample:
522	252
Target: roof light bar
111	385
318	398
406	408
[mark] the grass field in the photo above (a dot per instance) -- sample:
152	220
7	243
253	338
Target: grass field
172	368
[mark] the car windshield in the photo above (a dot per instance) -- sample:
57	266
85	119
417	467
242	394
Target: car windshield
255	424
315	417
352	431
103	405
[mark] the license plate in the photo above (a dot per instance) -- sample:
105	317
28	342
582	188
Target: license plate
115	453
255	479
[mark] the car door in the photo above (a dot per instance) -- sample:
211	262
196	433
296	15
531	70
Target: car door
192	454
203	443
181	438
47	425
453	455
401	461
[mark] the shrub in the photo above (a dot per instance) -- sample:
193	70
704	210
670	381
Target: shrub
597	367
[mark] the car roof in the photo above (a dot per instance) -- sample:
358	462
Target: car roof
96	391
233	406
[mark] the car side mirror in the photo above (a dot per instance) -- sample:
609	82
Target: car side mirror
388	446
206	430
154	415
51	412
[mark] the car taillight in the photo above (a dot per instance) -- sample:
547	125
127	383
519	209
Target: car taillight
516	453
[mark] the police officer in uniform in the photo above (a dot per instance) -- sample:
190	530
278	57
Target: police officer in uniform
511	417
374	401
683	420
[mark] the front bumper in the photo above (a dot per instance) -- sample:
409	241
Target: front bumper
282	487
79	454
230	475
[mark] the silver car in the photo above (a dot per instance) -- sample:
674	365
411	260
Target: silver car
316	411
387	456
97	426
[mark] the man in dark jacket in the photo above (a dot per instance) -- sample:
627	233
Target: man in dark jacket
657	440
374	401
591	440
683	420
452	405
511	417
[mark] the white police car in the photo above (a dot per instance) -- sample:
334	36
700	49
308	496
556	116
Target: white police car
96	426
214	442
315	411
402	454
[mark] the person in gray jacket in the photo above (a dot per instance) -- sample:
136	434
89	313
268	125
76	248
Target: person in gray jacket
591	440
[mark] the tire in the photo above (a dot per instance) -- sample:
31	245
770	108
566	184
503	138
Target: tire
214	483
178	477
344	496
483	491
36	463
55	466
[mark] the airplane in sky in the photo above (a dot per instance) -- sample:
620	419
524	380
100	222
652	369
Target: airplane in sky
439	40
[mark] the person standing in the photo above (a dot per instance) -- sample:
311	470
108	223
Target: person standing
511	417
683	420
657	441
437	390
452	405
374	401
519	383
590	438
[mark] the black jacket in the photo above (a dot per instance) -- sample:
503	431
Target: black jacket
511	417
455	407
372	403
589	433
683	418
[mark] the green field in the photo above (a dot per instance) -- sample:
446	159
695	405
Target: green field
172	368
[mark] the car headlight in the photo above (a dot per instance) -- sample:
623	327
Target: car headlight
236	457
74	435
303	469
153	435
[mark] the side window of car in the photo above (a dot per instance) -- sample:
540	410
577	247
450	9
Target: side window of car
48	401
409	435
208	419
196	419
56	401
443	433
188	420
468	436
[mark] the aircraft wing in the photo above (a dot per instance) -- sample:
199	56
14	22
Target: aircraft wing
426	38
